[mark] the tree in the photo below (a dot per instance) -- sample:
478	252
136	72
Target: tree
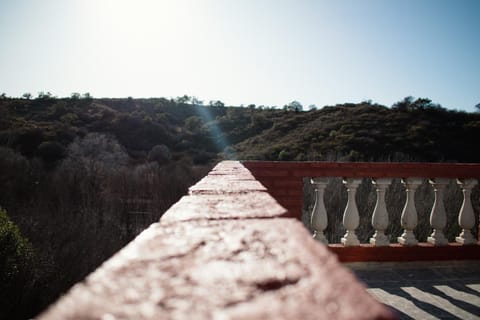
160	153
193	123
477	106
294	106
51	151
94	157
75	96
425	103
89	165
27	95
216	103
312	107
45	95
3	96
183	99
87	96
14	176
409	104
404	104
196	101
96	153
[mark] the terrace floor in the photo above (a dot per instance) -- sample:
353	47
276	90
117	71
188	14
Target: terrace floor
424	290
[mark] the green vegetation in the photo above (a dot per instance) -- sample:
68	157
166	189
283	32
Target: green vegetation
367	132
410	130
16	263
80	177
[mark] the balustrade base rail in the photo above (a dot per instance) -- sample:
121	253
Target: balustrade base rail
397	252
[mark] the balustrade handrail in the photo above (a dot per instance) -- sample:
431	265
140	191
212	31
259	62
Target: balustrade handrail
373	169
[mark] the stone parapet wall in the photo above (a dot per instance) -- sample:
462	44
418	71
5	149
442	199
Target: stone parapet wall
284	180
225	251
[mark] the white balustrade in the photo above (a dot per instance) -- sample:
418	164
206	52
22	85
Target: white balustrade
351	219
380	214
438	215
409	217
466	217
319	218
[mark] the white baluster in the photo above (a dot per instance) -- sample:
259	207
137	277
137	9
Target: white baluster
409	218
319	218
380	214
466	217
438	216
351	218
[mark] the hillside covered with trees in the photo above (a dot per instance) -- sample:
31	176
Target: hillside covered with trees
80	177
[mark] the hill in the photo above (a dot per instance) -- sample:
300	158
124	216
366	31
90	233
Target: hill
410	130
82	176
366	132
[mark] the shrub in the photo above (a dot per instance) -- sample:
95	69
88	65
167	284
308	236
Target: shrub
51	151
16	261
160	153
285	155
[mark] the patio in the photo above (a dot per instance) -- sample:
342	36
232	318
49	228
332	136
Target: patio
424	290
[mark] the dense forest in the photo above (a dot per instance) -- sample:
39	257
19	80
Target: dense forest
80	177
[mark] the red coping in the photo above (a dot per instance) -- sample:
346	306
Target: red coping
397	252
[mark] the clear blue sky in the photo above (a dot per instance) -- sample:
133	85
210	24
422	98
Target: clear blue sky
245	51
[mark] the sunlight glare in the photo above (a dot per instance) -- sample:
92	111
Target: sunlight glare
148	40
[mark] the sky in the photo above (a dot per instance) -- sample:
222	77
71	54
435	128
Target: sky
265	52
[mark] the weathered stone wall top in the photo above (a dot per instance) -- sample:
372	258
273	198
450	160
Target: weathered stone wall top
223	252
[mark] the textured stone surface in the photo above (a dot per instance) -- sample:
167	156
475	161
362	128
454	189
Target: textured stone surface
222	269
227	177
229	206
224	184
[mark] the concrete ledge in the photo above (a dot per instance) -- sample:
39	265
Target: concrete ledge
237	269
228	177
229	206
221	254
397	252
